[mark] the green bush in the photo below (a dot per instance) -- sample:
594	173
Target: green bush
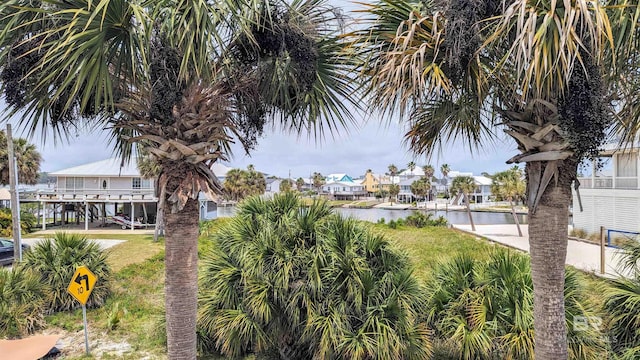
286	281
27	221
23	299
421	219
484	309
392	224
622	303
381	221
57	258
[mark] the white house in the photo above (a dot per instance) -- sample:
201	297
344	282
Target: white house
609	191
97	191
342	186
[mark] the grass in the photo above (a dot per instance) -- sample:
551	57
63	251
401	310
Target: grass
139	282
430	245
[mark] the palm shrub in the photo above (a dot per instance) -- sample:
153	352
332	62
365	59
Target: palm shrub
287	281
57	258
622	304
484	309
23	300
421	219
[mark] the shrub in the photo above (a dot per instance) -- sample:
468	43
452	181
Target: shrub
622	303
23	299
392	224
57	258
286	281
381	221
421	219
484	309
27	221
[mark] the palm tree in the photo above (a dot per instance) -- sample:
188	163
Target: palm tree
299	184
458	70
186	77
421	187
235	184
318	181
291	282
394	190
149	169
509	185
428	171
411	166
27	160
392	171
444	169
286	186
465	185
255	182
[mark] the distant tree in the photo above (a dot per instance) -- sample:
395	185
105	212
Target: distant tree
27	160
428	171
445	169
465	185
394	190
285	185
299	184
150	169
318	181
255	183
411	166
393	171
509	185
421	187
240	184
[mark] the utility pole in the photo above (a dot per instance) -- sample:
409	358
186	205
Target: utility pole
15	205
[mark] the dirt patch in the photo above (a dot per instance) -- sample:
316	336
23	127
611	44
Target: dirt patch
71	345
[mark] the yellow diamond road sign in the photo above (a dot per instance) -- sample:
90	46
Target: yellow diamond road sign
82	284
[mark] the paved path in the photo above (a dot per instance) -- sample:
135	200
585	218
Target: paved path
581	255
103	243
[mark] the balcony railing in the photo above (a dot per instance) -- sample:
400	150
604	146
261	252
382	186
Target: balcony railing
89	194
607	182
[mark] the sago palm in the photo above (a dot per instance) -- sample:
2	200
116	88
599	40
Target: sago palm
186	77
541	69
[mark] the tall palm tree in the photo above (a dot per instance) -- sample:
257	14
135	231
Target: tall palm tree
235	184
394	190
509	185
428	171
411	166
457	70
465	185
286	186
393	171
27	160
444	170
299	184
149	169
186	77
421	187
318	181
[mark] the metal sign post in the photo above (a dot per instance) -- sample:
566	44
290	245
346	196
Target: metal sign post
80	287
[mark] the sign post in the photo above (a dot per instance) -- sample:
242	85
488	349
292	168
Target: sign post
80	287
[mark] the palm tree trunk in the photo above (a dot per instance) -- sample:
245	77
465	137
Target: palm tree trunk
548	243
159	230
515	217
466	198
181	283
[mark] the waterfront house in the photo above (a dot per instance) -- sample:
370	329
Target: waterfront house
98	191
609	191
343	187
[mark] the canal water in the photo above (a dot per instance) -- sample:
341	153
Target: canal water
375	214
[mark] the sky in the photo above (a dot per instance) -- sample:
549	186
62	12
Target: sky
372	144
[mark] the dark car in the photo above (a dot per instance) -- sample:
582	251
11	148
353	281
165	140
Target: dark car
6	251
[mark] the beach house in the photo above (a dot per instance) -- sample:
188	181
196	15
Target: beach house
609	191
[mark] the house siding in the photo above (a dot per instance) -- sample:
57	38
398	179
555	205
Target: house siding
611	208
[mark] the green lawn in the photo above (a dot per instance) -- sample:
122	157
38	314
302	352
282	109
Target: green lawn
139	277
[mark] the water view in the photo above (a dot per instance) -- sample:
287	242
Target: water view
374	214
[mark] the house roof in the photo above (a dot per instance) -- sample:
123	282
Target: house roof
482	180
416	172
111	168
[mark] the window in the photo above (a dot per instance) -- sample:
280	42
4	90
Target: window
140	183
74	183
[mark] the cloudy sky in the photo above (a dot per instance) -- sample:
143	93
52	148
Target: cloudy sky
373	144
